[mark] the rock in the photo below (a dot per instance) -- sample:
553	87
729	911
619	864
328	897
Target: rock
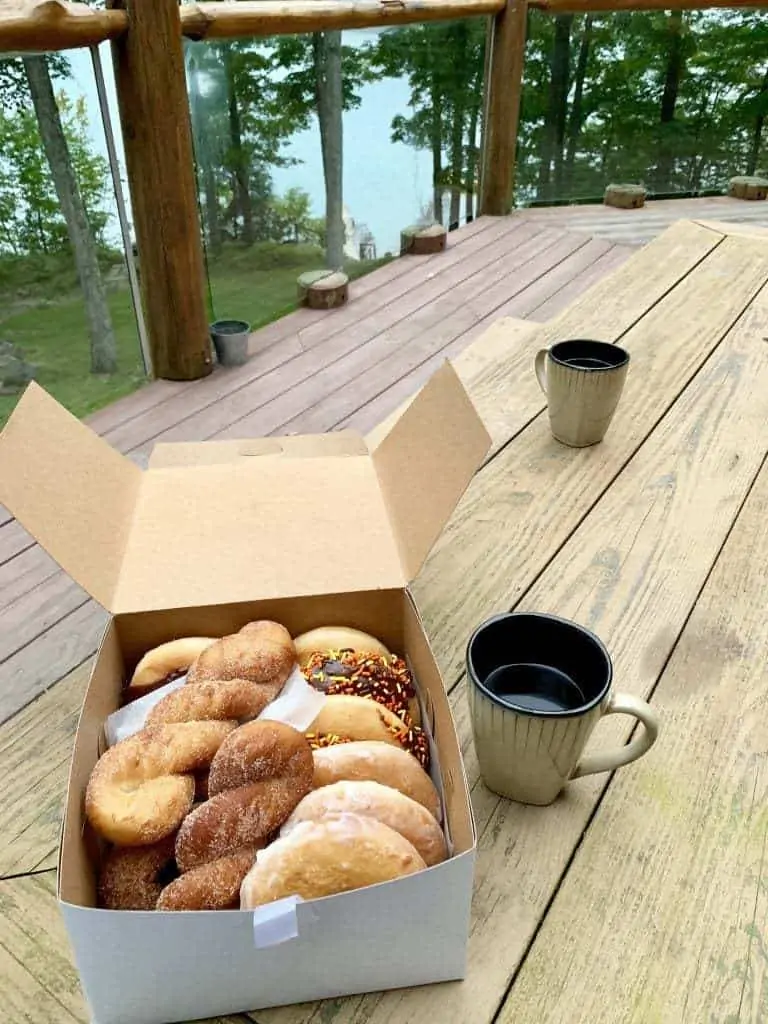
625	197
15	372
748	186
323	289
423	239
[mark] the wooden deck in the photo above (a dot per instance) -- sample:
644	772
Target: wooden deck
637	897
311	372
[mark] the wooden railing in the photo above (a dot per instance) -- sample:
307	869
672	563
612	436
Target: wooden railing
146	38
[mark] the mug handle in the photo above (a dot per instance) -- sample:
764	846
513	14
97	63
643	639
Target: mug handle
540	365
623	704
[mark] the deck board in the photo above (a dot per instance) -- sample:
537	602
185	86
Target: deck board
675	860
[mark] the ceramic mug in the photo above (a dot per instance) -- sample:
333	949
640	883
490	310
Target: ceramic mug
583	381
537	687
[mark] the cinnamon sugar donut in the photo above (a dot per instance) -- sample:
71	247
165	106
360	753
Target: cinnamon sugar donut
142	788
133	878
262	652
214	886
260	773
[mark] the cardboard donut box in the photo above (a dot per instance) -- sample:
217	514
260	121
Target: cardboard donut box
309	531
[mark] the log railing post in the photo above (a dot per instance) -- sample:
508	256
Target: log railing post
503	90
157	138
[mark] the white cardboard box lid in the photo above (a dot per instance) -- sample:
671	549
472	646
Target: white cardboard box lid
318	516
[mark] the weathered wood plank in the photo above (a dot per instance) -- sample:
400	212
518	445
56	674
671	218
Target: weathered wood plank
65	646
23	573
38	982
608	309
38	610
35	25
349	385
606	264
266	404
199	411
35	751
500	526
632	572
669	885
13	540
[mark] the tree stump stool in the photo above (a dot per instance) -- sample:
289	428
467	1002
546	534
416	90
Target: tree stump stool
625	197
423	240
323	289
748	186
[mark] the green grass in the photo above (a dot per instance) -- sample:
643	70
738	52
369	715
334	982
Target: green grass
42	311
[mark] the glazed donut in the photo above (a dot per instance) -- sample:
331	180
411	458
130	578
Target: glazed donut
336	638
133	878
260	773
372	800
377	762
322	858
342	719
384	678
142	788
165	663
262	652
213	886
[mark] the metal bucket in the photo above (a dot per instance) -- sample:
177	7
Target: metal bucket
230	339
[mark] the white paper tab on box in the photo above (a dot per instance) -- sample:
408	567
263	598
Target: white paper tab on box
277	922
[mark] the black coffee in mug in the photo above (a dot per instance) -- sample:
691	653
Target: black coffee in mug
535	687
587	363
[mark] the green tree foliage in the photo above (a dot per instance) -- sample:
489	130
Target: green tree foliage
30	213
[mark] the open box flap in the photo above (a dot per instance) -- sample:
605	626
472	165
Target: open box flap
74	493
188	453
426	461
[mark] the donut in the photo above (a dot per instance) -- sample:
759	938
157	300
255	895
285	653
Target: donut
214	886
322	858
336	638
376	762
344	718
141	789
373	800
262	652
258	776
133	878
384	678
232	700
165	663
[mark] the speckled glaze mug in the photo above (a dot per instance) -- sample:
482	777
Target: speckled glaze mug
583	381
538	685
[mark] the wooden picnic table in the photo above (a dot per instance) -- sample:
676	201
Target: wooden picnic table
640	897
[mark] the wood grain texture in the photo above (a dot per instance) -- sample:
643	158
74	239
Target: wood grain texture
503	91
154	114
30	26
532	494
35	751
668	889
34	669
275	17
38	982
632	572
608	6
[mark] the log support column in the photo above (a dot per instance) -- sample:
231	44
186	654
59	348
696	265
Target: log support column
154	114
503	89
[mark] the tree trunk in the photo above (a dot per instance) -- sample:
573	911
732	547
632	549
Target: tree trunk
205	166
240	157
329	96
577	112
103	347
757	133
472	159
672	77
459	35
553	138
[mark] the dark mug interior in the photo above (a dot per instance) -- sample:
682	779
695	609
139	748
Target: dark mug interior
539	664
582	354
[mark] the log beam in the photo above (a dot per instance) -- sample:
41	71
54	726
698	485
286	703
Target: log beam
503	91
233	18
154	113
33	26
